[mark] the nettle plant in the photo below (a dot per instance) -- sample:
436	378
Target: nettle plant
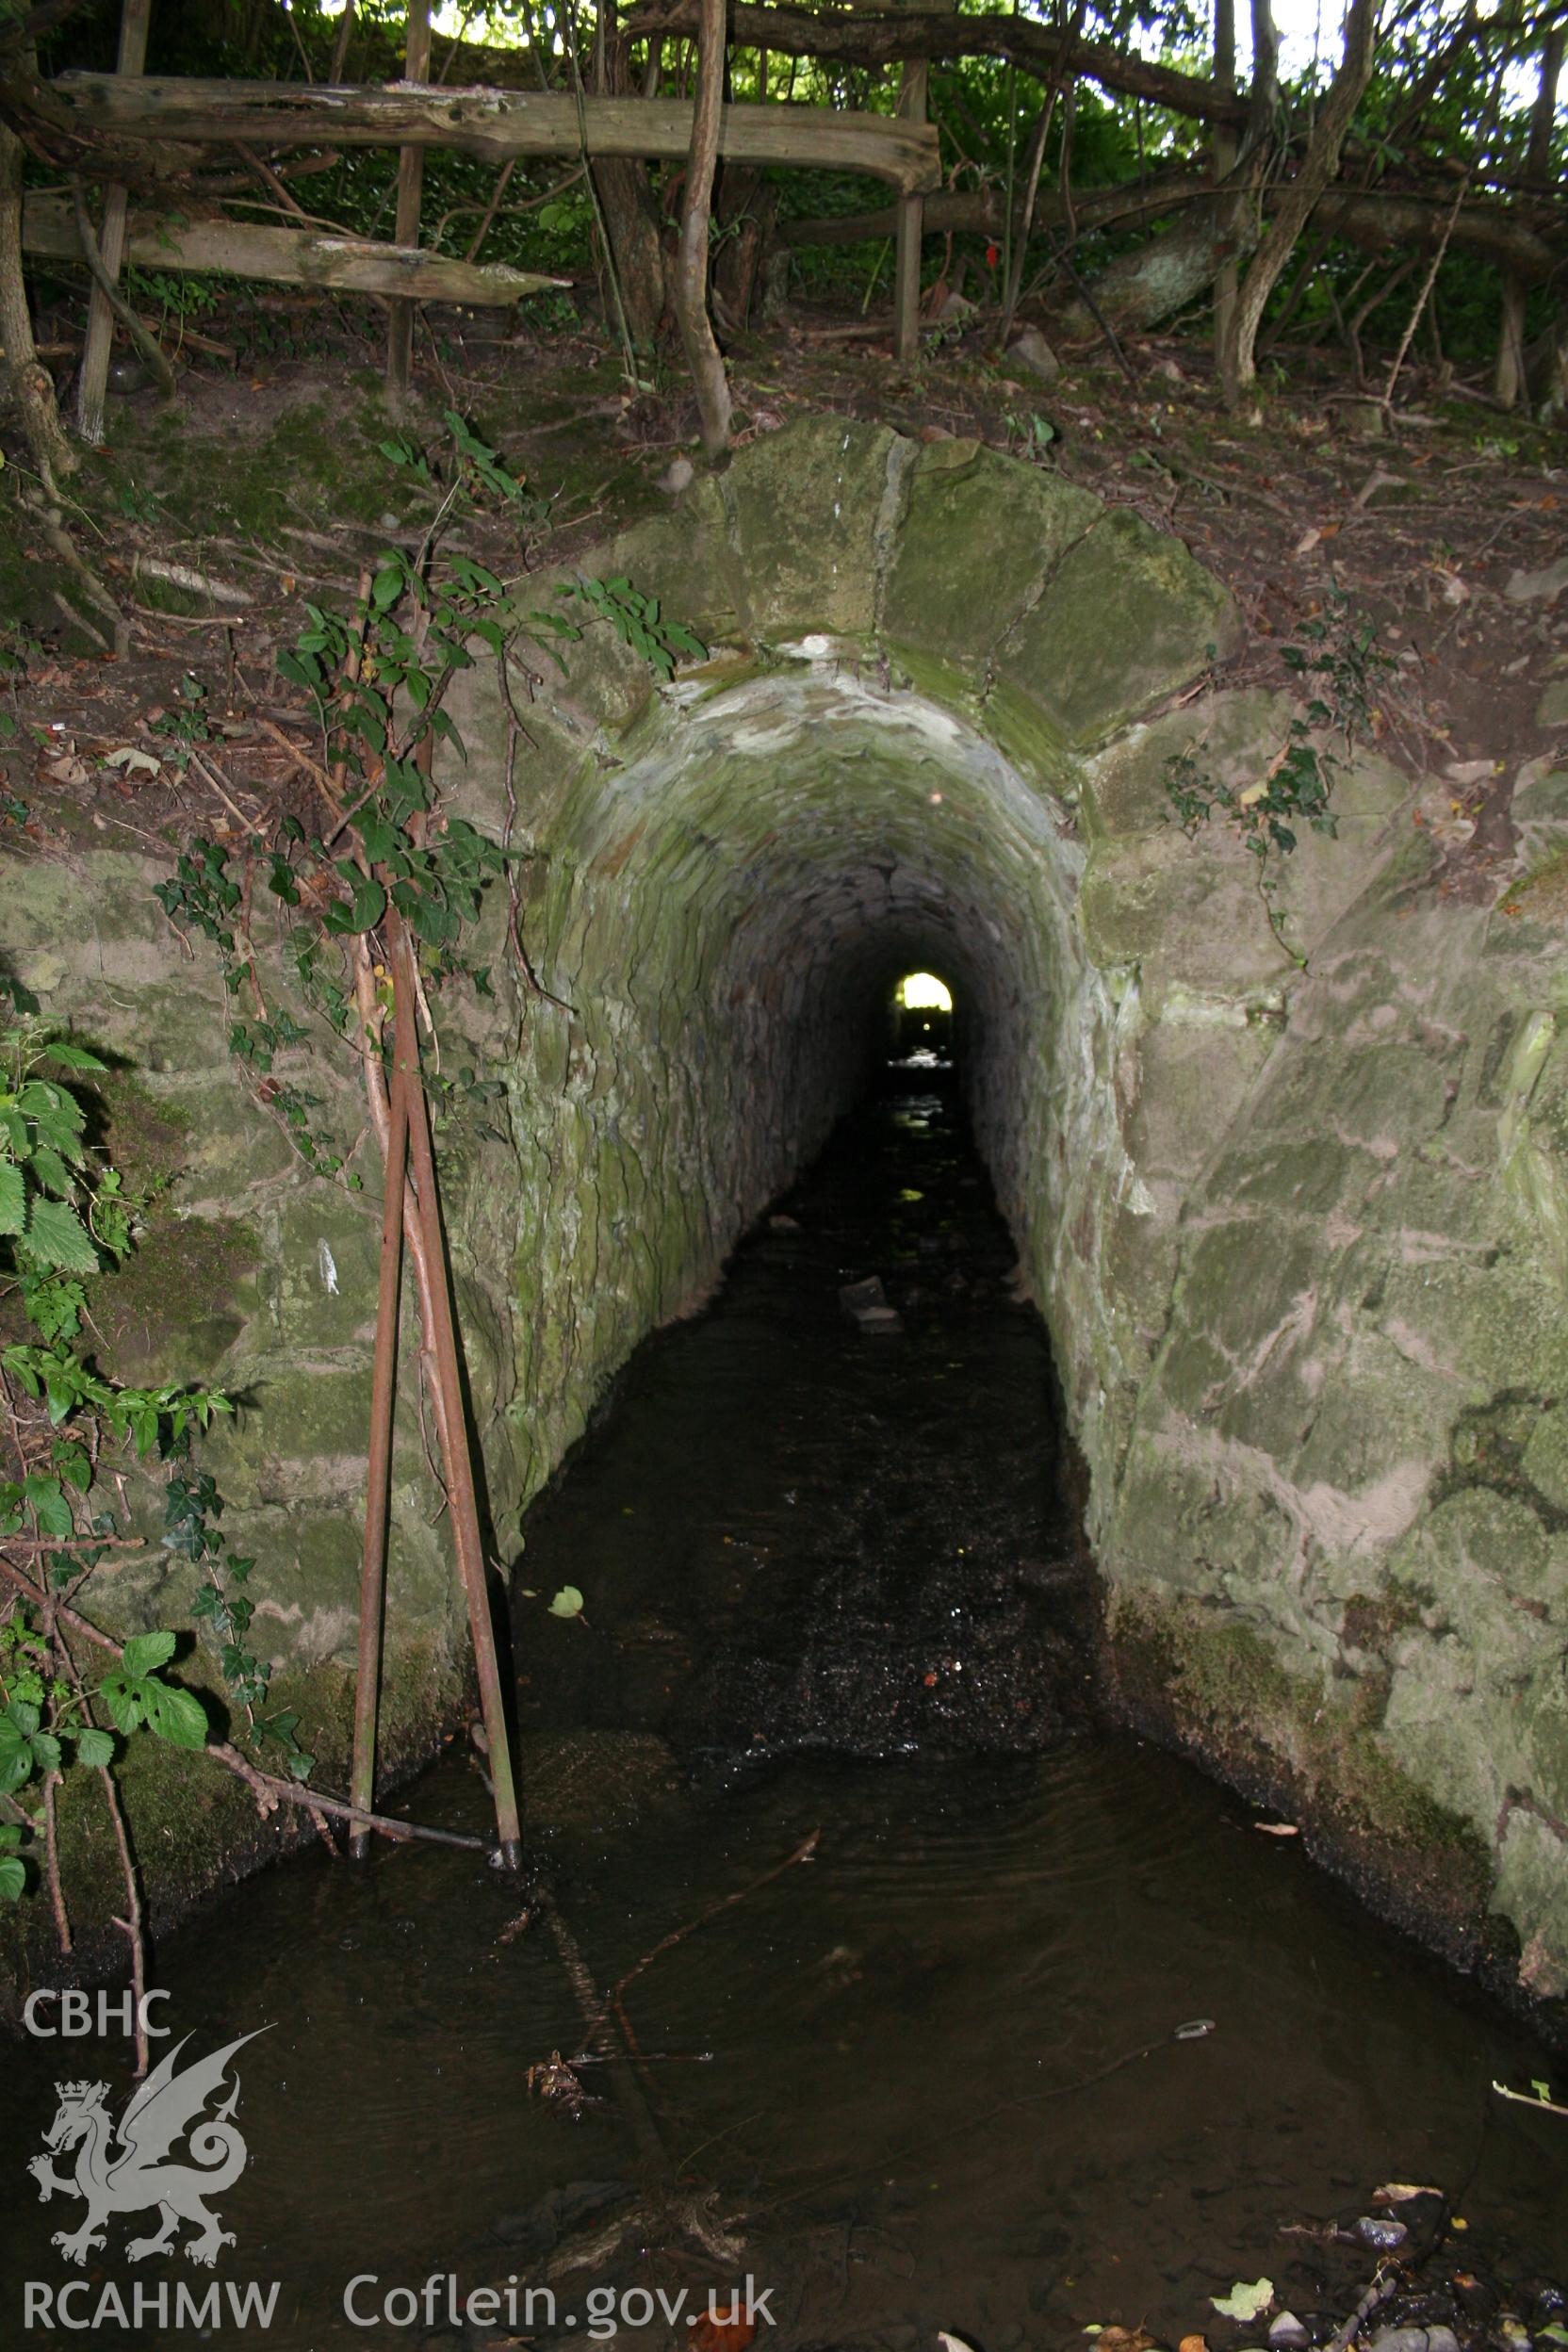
377	676
69	1435
1338	662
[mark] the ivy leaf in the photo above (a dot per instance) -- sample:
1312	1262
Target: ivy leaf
146	1652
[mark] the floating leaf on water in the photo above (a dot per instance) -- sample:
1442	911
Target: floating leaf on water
1246	2300
567	1602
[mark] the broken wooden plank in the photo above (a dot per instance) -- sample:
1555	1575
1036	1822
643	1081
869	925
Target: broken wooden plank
494	123
290	256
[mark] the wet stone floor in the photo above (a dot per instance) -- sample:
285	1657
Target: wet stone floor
954	2009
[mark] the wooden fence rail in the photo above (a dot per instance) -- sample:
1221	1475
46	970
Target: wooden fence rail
494	123
291	256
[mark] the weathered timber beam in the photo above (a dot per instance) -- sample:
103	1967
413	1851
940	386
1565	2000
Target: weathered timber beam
985	209
873	37
291	256
1379	223
491	122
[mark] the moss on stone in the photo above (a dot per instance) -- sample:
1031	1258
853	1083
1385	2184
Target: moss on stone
180	1301
1208	1679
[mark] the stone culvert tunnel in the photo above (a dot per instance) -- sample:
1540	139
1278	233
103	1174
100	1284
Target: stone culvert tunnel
1301	1237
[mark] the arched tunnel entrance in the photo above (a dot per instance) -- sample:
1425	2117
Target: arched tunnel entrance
935	731
741	910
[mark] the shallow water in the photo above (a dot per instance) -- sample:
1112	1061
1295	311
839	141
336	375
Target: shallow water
908	2061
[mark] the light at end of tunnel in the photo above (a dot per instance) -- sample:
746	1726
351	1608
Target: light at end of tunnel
921	990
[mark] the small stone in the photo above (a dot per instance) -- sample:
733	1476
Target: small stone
929	434
954	307
1170	369
1033	352
1286	2333
866	1305
1470	771
1400	2340
1538	587
1375	2229
780	1223
1553	710
678	475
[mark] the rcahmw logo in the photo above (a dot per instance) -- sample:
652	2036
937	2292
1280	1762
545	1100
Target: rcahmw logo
125	2167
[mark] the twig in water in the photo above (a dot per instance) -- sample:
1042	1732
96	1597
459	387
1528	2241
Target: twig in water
803	1852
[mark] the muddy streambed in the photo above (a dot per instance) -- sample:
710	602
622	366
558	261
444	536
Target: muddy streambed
932	2075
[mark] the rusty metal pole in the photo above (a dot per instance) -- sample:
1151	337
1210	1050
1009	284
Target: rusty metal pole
442	1335
378	1477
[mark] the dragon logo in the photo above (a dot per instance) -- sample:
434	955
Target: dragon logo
126	2178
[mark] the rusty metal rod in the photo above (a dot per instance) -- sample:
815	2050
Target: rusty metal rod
452	1423
378	1475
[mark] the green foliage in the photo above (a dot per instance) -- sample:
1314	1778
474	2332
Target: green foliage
223	1607
1337	662
65	1218
377	675
638	622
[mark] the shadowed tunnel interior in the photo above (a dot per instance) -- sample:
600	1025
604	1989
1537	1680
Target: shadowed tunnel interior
728	916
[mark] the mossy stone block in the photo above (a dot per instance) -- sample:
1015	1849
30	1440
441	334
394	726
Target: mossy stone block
804	508
980	536
1127	618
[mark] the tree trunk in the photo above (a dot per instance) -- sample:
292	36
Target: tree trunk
31	385
703	355
1238	367
637	242
1224	164
1509	383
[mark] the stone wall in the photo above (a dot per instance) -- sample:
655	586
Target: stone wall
1301	1238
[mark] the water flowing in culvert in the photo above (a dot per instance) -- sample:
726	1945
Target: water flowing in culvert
830	1586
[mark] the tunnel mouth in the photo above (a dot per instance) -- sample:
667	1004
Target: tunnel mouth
923	1023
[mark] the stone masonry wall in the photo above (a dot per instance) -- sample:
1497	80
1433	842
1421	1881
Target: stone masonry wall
1301	1238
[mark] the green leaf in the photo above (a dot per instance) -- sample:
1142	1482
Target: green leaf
146	1652
1246	2300
13	1198
123	1700
57	1239
75	1057
175	1715
46	1750
94	1747
50	1508
567	1602
13	1878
